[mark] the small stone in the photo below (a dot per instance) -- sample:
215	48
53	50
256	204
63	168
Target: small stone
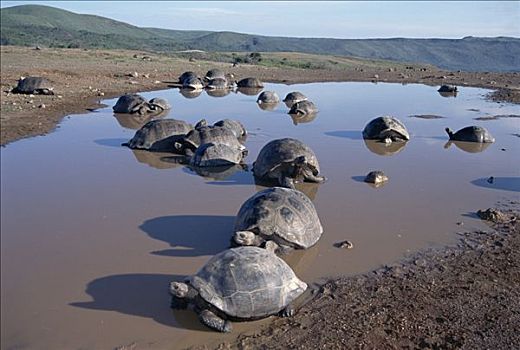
146	75
344	245
101	93
41	106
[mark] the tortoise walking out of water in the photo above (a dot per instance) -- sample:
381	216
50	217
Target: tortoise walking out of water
287	160
386	129
159	135
471	134
239	284
33	85
279	218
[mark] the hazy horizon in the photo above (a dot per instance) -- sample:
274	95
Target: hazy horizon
342	20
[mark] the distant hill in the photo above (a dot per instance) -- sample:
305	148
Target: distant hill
29	25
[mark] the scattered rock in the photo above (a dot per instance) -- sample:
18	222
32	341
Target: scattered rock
344	245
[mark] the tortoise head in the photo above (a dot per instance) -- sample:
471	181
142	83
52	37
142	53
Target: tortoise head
246	238
302	167
201	123
450	133
179	289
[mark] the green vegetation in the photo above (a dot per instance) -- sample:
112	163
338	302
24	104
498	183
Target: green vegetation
31	25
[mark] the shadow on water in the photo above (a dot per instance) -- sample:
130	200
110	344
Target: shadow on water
190	235
111	142
142	295
499	183
349	134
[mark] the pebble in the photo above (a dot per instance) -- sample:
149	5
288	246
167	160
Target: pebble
41	106
344	245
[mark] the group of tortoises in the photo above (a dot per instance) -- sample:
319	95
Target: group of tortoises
249	280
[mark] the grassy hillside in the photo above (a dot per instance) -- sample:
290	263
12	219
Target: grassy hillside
30	25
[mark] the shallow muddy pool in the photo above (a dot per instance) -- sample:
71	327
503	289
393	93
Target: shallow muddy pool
92	232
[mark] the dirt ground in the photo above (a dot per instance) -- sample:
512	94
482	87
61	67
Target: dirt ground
81	78
465	296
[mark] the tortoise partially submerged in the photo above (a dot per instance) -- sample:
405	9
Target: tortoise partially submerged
376	177
194	83
239	284
215	73
286	161
386	129
33	85
217	84
159	104
207	134
250	83
235	126
132	103
186	76
216	155
268	97
279	218
303	108
159	135
294	97
448	88
471	134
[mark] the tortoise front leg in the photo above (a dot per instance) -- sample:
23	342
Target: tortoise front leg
211	320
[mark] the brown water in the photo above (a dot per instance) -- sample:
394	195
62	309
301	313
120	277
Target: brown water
92	233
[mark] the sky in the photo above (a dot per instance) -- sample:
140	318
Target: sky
334	19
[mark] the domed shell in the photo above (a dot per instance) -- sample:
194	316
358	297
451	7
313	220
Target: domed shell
294	97
215	155
472	134
286	213
303	108
382	128
215	73
268	97
217	84
250	83
159	104
129	103
247	282
157	135
234	125
213	134
281	151
187	75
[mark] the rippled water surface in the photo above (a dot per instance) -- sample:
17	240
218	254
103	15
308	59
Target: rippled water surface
93	232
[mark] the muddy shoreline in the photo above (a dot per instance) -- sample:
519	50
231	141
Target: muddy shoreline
82	78
459	297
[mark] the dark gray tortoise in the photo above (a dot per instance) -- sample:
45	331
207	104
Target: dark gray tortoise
131	103
235	126
159	135
294	97
250	83
447	88
279	219
216	155
303	108
186	76
471	134
217	84
268	97
207	134
33	85
376	177
159	104
215	73
194	83
286	161
239	284
386	129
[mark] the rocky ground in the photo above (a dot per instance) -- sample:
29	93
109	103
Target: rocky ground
81	78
